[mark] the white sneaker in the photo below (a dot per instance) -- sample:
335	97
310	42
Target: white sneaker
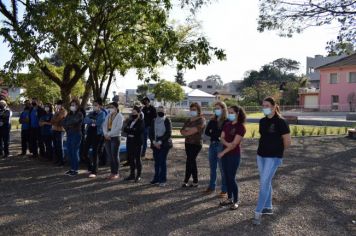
92	176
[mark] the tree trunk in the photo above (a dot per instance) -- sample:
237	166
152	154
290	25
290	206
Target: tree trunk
86	95
65	94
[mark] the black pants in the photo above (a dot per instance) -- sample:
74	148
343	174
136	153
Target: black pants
25	140
36	142
4	140
134	157
48	143
192	151
92	141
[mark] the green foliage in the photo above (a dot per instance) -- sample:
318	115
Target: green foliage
216	79
290	17
318	132
256	93
168	91
295	131
253	133
303	132
311	132
38	85
142	91
325	130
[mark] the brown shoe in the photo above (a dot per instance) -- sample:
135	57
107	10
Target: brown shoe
208	191
222	195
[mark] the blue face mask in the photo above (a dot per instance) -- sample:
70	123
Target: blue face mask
231	117
193	113
267	111
218	112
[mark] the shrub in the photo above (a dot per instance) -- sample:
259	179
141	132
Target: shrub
318	132
253	133
338	131
311	132
295	131
303	132
325	129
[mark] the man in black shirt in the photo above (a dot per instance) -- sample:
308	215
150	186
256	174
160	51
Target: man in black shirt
150	114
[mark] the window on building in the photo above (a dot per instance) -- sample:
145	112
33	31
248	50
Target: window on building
352	77
311	70
204	104
209	86
335	99
199	86
333	78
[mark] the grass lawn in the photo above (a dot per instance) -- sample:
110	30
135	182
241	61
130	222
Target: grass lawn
296	130
255	115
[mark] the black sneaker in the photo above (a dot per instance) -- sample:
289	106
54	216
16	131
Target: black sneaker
185	185
154	182
129	178
194	185
227	202
73	173
138	179
68	172
267	211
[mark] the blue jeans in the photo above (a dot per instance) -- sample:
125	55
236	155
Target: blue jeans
73	146
267	167
214	162
230	164
160	158
145	137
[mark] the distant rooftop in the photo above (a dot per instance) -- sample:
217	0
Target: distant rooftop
346	61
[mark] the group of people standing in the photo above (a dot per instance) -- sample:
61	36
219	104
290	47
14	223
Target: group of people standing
44	130
226	130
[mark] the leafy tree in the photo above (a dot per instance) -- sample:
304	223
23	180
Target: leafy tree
254	95
339	48
179	78
215	79
167	91
102	36
142	91
290	17
286	65
36	84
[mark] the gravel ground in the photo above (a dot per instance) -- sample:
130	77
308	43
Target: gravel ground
314	194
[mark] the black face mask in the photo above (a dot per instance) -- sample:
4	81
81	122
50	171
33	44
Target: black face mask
2	107
160	114
134	117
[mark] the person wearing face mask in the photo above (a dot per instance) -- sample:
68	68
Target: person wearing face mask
24	120
46	131
5	126
149	114
213	130
231	137
58	132
112	131
94	135
275	138
161	142
72	124
192	130
135	131
35	130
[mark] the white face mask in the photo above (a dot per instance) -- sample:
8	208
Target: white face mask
47	109
111	110
73	108
267	111
58	107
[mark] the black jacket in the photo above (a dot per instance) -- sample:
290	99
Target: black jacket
166	137
135	134
213	130
150	114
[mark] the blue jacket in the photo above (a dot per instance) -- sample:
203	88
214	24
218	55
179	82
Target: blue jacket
94	121
25	119
46	129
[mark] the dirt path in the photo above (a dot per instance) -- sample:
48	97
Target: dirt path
314	195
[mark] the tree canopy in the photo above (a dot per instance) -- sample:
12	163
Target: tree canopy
168	91
101	37
289	17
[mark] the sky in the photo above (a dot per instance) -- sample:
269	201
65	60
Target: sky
232	25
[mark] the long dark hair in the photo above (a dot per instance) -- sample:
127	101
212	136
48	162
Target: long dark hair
241	114
273	103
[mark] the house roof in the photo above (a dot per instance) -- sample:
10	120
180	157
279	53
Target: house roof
222	92
196	93
346	61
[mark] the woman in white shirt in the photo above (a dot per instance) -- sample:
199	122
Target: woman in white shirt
112	131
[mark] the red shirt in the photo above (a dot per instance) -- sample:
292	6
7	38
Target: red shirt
231	130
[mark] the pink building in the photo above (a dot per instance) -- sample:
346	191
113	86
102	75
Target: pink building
338	85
